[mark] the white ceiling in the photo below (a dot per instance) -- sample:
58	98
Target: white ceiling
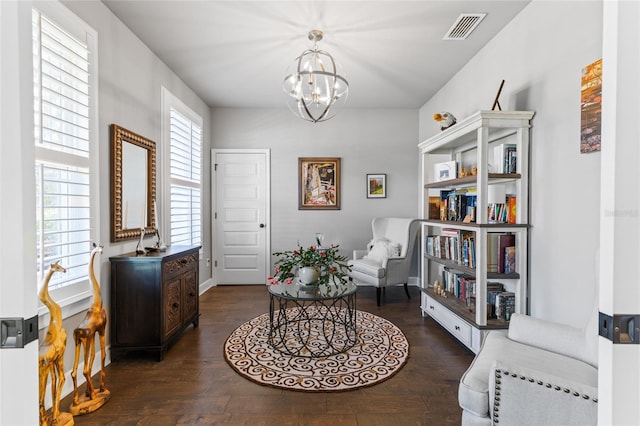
236	53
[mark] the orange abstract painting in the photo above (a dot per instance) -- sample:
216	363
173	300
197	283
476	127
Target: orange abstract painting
591	107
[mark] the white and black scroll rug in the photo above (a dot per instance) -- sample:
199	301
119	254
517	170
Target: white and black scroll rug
380	351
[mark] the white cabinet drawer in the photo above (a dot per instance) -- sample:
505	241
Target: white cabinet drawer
454	324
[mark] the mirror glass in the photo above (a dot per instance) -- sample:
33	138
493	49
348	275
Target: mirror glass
134	195
132	184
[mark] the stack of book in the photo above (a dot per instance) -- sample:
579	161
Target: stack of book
462	286
505	158
510	260
497	244
505	305
459	246
434	207
452	244
502	212
493	289
458	205
500	303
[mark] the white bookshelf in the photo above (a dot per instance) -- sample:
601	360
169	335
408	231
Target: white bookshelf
471	143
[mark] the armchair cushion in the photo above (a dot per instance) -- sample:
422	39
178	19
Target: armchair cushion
368	267
381	250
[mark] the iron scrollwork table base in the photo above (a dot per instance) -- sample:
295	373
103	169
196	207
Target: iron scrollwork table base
313	323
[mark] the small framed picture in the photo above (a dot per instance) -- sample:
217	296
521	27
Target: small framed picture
377	185
445	171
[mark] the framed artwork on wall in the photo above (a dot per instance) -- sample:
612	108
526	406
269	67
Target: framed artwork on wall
591	108
319	183
377	185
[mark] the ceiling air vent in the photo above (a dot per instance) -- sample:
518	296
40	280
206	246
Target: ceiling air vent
463	26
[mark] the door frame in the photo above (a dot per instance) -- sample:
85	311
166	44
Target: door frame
267	197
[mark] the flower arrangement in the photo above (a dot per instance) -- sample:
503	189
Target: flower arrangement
331	266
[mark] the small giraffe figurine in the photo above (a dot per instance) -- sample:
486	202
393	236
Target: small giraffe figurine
51	356
95	321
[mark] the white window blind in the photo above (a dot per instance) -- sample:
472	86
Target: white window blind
62	106
185	179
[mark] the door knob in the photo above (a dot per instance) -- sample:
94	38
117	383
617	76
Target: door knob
262	225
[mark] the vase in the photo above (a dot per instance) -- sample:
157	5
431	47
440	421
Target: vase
308	275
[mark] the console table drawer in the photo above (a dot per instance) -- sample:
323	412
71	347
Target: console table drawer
183	263
454	324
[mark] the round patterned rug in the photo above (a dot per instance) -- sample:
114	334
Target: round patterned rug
380	351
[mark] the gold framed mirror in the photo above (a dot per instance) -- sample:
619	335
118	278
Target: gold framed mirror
133	184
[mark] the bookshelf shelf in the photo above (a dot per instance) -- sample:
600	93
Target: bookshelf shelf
492	238
461	310
462	225
471	181
471	271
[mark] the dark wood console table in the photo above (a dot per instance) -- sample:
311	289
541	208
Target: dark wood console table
154	297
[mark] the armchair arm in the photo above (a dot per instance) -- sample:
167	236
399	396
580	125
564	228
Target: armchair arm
397	270
525	396
559	338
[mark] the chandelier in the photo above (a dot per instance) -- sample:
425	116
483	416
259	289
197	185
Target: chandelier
315	85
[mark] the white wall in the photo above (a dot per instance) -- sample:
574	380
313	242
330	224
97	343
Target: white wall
131	77
541	54
130	81
366	140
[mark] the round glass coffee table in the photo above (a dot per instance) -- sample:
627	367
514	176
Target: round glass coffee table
312	322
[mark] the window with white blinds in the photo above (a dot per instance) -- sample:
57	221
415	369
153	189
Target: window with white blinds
185	161
62	118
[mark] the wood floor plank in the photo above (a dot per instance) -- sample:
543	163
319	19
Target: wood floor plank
195	385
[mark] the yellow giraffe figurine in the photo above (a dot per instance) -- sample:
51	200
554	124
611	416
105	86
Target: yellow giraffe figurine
51	356
95	321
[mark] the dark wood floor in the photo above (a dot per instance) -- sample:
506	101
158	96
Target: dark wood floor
194	384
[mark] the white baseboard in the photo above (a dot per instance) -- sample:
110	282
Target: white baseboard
205	286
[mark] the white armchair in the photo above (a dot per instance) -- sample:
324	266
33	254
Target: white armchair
541	373
387	259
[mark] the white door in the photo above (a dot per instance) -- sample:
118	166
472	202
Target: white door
240	215
18	287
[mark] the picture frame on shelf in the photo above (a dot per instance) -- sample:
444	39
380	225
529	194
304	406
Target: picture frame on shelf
377	185
319	183
445	171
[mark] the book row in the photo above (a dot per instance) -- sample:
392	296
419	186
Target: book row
500	303
460	206
459	246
